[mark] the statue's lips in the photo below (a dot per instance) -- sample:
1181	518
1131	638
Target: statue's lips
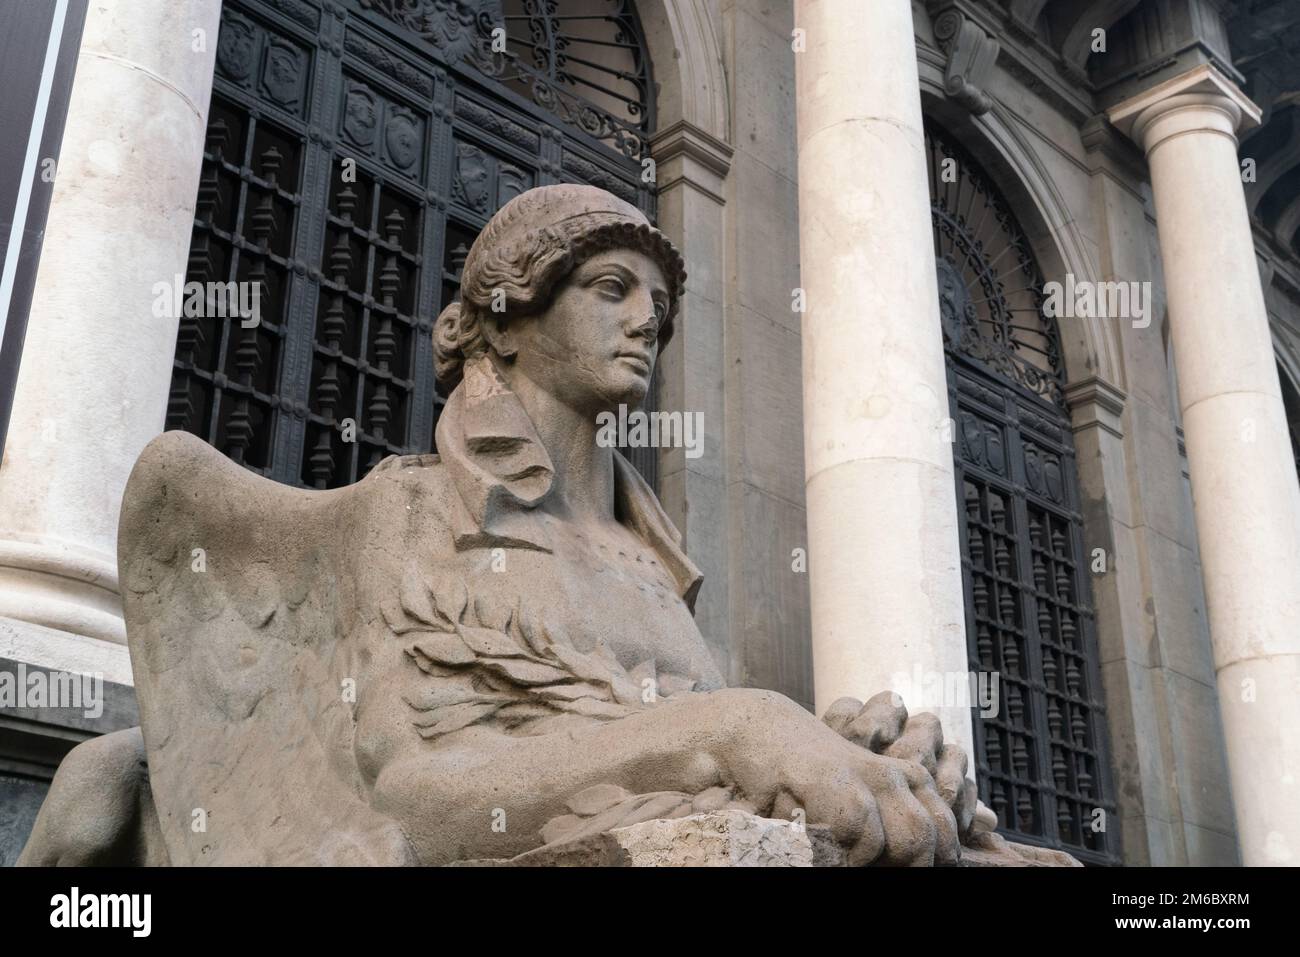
639	358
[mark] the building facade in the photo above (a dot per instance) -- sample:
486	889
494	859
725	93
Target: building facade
992	325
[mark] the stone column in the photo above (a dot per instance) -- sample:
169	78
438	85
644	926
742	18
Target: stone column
884	552
92	384
1246	497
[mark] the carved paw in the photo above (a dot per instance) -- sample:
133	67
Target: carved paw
877	807
883	726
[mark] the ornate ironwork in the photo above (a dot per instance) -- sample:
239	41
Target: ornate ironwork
990	288
585	63
351	158
1041	756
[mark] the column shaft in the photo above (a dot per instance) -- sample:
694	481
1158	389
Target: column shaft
884	552
92	384
1245	492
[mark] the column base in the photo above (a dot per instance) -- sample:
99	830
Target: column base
60	586
59	650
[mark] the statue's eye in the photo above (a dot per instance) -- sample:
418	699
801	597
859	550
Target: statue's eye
611	284
661	311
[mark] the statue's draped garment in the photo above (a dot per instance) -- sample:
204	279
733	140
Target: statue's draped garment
287	643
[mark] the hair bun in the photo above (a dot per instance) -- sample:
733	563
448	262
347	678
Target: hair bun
448	352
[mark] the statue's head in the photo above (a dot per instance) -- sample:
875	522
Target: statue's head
570	288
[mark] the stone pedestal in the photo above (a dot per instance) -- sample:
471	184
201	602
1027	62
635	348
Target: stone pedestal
884	552
92	384
738	839
717	839
1246	497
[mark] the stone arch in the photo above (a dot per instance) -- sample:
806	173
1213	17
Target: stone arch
686	51
1091	347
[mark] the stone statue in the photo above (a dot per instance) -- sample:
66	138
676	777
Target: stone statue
471	654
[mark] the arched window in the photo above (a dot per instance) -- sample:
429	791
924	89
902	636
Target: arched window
354	150
1041	758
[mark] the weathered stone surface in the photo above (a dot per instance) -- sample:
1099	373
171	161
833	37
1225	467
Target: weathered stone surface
598	850
734	838
826	851
718	839
992	850
499	634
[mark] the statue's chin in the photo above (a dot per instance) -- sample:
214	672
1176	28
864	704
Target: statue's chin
626	386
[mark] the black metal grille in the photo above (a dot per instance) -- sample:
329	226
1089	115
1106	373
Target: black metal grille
354	150
1041	758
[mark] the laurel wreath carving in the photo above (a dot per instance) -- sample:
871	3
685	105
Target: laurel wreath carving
499	663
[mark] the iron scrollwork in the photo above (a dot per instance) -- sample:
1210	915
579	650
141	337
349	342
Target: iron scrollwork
990	288
530	46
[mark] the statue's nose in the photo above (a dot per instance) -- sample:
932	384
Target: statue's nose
646	328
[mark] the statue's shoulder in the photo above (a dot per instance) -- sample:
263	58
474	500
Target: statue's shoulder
402	484
394	462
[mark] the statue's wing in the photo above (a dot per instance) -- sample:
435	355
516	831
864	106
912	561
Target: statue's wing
229	583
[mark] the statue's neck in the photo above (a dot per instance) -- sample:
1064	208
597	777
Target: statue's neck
583	489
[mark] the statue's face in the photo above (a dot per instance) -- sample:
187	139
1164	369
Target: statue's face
595	346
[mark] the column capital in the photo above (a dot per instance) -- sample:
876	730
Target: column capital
1200	100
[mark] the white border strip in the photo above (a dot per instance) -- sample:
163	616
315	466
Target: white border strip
34	136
